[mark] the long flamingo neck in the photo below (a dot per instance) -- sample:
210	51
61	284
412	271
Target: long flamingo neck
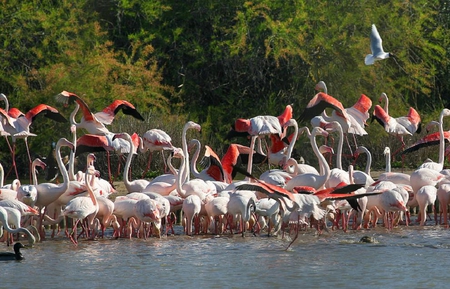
248	211
350	174
250	157
441	139
294	138
386	102
186	171
195	158
62	168
170	165
33	173
141	145
74	141
2	176
305	129
126	180
89	188
291	162
324	167
340	145
388	162
73	114
181	179
369	161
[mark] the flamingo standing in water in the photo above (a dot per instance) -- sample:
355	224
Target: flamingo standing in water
147	211
10	215
426	196
83	207
192	206
50	193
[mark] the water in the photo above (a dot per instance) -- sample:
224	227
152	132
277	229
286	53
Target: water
407	257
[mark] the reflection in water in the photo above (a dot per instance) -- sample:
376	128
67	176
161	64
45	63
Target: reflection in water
405	257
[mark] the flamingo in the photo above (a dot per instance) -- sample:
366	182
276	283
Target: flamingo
11	216
132	186
48	193
163	184
147	211
17	255
105	214
319	103
241	203
214	172
195	186
361	177
305	204
439	166
186	174
257	127
294	168
391	201
443	195
426	196
28	193
355	120
191	208
216	209
236	154
312	180
104	143
400	126
164	206
95	123
428	140
155	140
395	177
269	208
376	46
83	207
124	209
17	124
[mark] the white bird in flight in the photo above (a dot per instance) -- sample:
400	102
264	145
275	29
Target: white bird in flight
376	47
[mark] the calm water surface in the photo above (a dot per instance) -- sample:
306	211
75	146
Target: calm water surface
407	257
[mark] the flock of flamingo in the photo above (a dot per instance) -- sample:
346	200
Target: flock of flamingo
280	201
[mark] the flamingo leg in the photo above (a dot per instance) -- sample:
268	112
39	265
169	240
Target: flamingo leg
109	168
29	160
147	168
13	155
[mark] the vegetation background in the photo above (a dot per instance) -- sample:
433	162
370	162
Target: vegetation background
215	61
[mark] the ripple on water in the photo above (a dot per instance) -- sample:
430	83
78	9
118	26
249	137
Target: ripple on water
331	259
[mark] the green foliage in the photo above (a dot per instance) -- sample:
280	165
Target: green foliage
213	61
